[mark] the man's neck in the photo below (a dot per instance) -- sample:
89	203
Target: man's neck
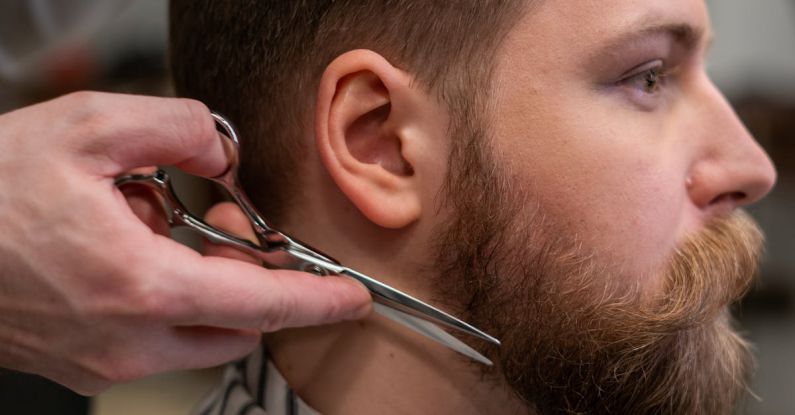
377	366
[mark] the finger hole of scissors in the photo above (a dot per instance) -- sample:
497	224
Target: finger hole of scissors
231	145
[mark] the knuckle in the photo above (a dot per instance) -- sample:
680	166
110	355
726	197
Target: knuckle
147	301
82	99
277	316
88	113
200	124
195	109
146	290
157	300
85	106
111	365
129	292
123	371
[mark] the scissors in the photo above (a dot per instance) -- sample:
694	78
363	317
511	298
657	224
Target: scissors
281	251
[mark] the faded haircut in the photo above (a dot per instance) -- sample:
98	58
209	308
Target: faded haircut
260	62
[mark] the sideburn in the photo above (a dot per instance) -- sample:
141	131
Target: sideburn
573	339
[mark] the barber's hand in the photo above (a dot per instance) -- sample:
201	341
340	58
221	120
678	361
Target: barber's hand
228	217
89	294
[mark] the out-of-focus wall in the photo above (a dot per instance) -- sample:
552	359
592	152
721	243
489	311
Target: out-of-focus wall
753	62
755	47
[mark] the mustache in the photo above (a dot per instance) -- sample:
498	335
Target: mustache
708	272
715	268
686	326
711	270
673	352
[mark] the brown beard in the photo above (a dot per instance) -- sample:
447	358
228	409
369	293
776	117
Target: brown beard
575	340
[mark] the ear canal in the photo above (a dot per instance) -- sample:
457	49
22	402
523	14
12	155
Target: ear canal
369	143
369	135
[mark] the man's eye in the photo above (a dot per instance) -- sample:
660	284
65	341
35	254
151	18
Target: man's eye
648	78
648	81
645	83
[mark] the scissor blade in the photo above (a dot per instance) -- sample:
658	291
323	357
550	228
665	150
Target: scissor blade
407	304
431	331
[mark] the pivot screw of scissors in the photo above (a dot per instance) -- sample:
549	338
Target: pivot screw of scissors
313	269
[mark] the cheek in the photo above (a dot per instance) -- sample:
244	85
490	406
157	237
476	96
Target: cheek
612	186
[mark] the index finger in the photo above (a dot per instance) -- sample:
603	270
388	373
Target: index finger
222	292
131	131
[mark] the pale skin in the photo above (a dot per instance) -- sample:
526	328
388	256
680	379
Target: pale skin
630	164
90	295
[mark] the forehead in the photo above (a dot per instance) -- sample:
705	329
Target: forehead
582	25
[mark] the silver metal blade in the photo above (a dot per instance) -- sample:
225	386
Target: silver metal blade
396	299
431	331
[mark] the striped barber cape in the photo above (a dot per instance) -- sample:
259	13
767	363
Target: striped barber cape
254	386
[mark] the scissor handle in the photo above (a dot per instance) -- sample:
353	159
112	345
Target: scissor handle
266	233
275	251
229	178
179	215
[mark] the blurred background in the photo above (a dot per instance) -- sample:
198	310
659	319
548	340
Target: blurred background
48	48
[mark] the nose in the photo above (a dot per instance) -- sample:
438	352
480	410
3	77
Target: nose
731	170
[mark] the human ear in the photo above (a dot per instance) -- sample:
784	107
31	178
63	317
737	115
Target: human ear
365	139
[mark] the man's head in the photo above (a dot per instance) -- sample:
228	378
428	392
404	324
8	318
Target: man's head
561	173
260	63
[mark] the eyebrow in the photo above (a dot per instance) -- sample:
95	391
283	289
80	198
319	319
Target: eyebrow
685	34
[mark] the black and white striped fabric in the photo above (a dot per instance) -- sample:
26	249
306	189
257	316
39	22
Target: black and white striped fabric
253	386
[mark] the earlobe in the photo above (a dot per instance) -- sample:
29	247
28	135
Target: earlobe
361	138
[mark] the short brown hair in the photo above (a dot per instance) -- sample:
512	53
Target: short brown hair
259	62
